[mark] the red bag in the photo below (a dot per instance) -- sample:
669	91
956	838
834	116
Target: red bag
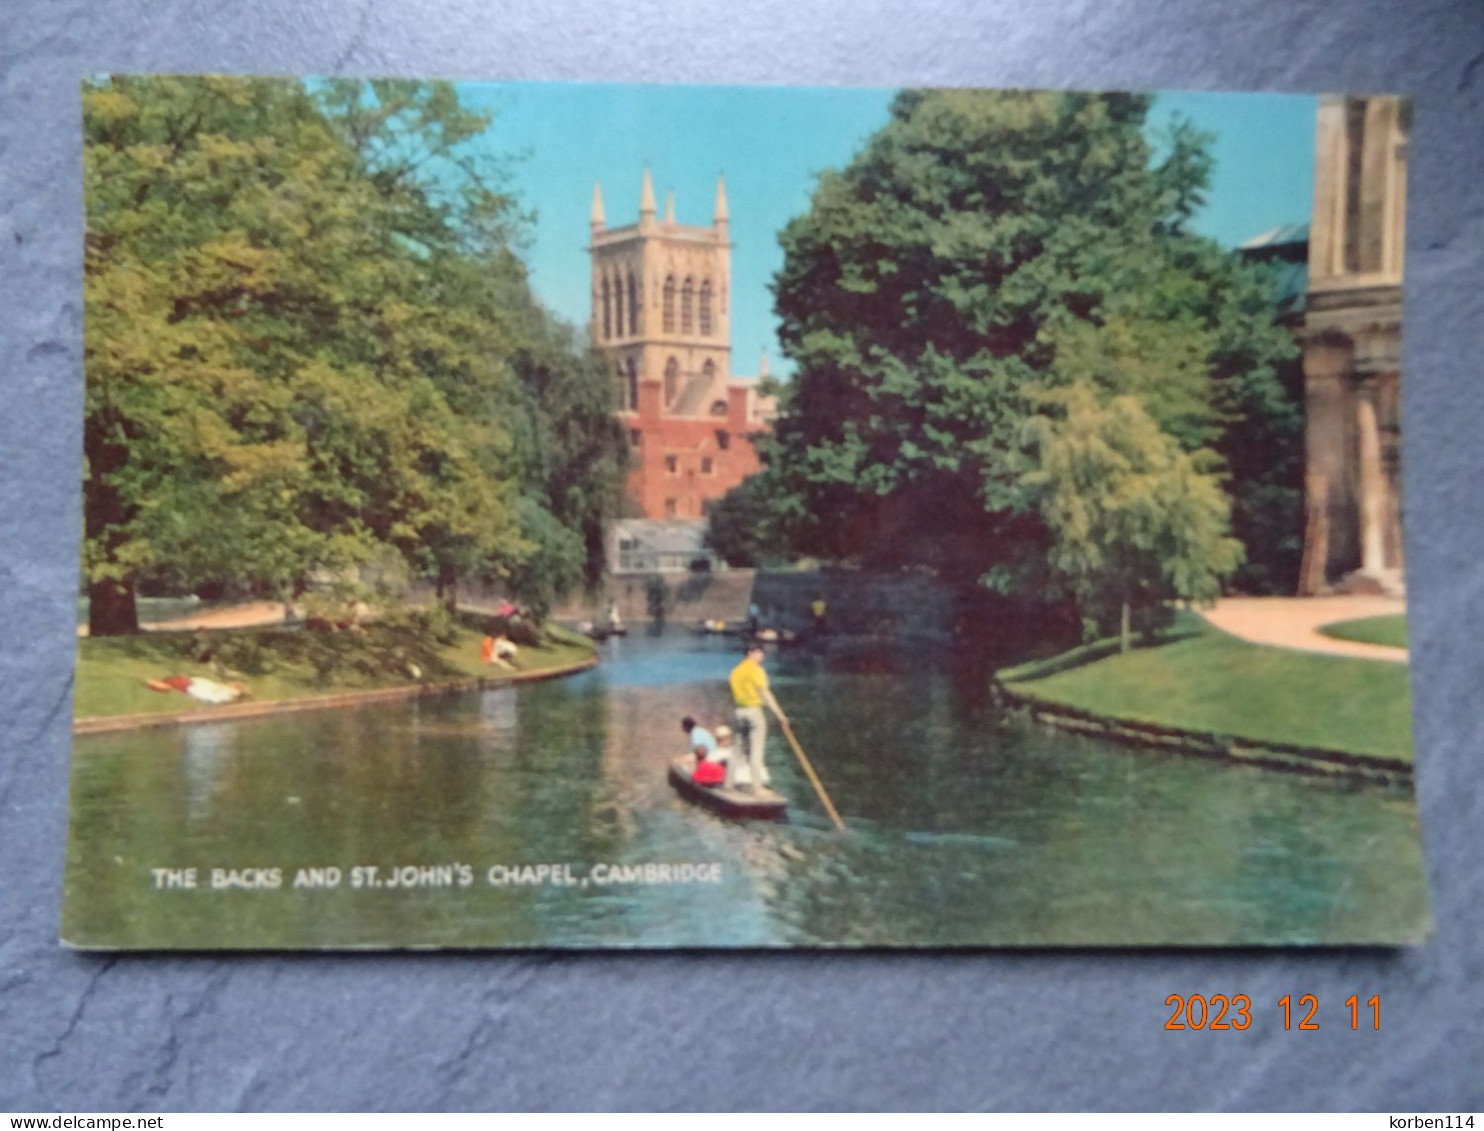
709	773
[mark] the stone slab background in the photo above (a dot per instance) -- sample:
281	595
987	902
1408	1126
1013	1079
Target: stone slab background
986	1030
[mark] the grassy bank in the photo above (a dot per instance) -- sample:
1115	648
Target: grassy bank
1389	630
283	663
1201	679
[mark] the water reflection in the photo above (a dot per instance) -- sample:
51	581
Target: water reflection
204	759
965	828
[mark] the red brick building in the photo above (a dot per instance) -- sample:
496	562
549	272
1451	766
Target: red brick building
661	312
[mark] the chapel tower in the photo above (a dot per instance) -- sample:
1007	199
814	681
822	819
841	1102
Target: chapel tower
661	313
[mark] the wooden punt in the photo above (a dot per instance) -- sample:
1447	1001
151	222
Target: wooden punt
601	633
765	805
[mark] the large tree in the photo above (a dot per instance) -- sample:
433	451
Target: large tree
983	253
306	333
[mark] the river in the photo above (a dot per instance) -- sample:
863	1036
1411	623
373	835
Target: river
964	828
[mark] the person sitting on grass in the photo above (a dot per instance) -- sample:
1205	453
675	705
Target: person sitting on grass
498	649
708	770
206	690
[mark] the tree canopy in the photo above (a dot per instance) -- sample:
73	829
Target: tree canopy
310	340
1009	346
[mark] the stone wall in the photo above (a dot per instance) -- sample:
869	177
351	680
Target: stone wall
686	597
859	604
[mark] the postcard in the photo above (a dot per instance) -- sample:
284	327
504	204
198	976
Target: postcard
563	516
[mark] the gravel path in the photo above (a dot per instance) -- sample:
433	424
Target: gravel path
1294	622
235	616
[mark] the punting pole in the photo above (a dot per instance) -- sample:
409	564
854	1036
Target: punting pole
829	805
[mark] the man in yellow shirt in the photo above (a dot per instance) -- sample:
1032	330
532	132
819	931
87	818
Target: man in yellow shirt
750	693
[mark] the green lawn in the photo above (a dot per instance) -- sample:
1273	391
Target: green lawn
1204	680
280	663
1388	630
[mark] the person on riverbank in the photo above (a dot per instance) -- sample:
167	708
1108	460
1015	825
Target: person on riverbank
750	693
821	614
499	649
708	769
615	622
205	690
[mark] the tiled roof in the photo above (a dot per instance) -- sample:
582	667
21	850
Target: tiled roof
696	396
1285	250
1283	234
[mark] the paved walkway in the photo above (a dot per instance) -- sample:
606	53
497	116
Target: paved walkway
1294	622
250	615
234	616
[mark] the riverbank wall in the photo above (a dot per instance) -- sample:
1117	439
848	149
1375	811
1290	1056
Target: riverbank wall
859	603
1309	760
684	598
232	712
895	605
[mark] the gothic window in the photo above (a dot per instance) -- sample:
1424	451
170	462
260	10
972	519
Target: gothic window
707	466
633	305
723	440
709	371
607	311
706	309
621	387
618	305
669	308
687	307
634	437
672	381
672	465
632	385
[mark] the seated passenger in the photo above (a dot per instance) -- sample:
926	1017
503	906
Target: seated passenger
723	743
707	769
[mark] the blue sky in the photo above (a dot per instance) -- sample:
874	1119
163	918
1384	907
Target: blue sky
772	141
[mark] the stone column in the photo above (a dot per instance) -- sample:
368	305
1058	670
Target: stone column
1371	480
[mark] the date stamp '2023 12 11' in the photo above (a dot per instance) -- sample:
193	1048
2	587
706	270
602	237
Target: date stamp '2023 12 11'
1220	1011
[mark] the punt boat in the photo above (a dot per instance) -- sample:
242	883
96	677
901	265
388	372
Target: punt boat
766	804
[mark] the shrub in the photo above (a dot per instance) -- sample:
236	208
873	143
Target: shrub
247	653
